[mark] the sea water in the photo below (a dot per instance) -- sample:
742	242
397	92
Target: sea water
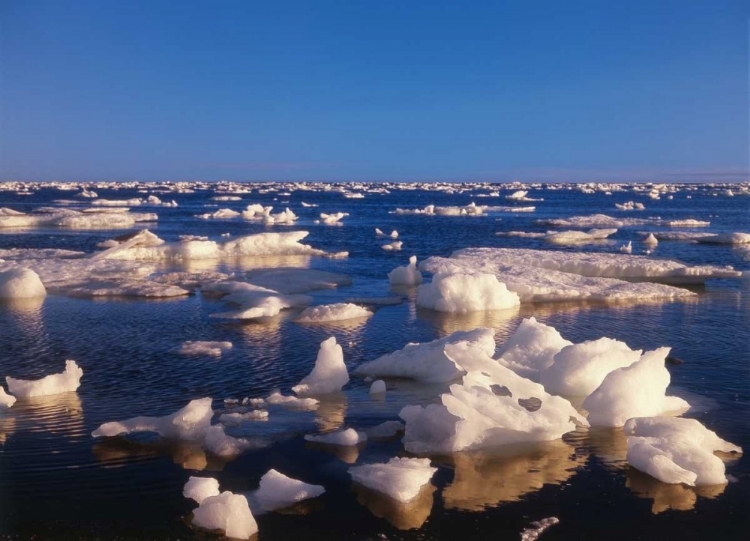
57	482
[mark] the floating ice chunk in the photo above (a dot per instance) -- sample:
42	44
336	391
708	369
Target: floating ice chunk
254	301
190	423
675	450
226	198
380	234
220	444
630	205
377	387
579	237
578	369
6	400
332	312
637	390
221	214
428	362
213	349
407	275
236	419
465	292
531	348
332	219
278	491
627	248
537	528
339	437
227	512
329	374
292	402
200	488
394	246
21	283
67	381
651	240
387	429
399	478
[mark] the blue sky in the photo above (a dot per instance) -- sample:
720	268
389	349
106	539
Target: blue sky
374	90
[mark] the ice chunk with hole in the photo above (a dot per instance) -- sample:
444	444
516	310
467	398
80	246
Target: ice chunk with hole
65	382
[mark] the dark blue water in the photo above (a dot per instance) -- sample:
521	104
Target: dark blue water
57	482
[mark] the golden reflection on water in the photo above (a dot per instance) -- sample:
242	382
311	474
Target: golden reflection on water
404	516
665	496
116	452
331	412
484	479
60	414
503	321
7	427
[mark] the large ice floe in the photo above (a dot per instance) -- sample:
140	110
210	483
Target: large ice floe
579	237
20	283
65	382
286	243
332	312
329	374
73	219
407	275
675	450
542	275
638	390
400	478
428	362
465	292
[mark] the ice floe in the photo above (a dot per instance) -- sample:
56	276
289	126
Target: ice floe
465	292
72	219
531	348
227	512
332	312
638	390
329	374
399	478
214	349
675	450
346	437
579	237
65	382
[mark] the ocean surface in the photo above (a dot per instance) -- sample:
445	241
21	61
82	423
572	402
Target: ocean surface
58	482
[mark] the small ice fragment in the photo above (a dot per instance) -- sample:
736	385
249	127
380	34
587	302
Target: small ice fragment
218	443
399	478
278	491
407	275
6	400
196	348
235	419
339	437
329	374
200	488
227	512
537	528
651	240
292	402
377	387
67	381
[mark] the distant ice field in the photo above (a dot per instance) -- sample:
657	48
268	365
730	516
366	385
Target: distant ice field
234	288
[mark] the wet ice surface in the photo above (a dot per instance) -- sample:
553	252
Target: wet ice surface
56	481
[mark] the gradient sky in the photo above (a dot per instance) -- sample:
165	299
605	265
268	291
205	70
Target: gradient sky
374	90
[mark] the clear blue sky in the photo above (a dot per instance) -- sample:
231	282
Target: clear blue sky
373	90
